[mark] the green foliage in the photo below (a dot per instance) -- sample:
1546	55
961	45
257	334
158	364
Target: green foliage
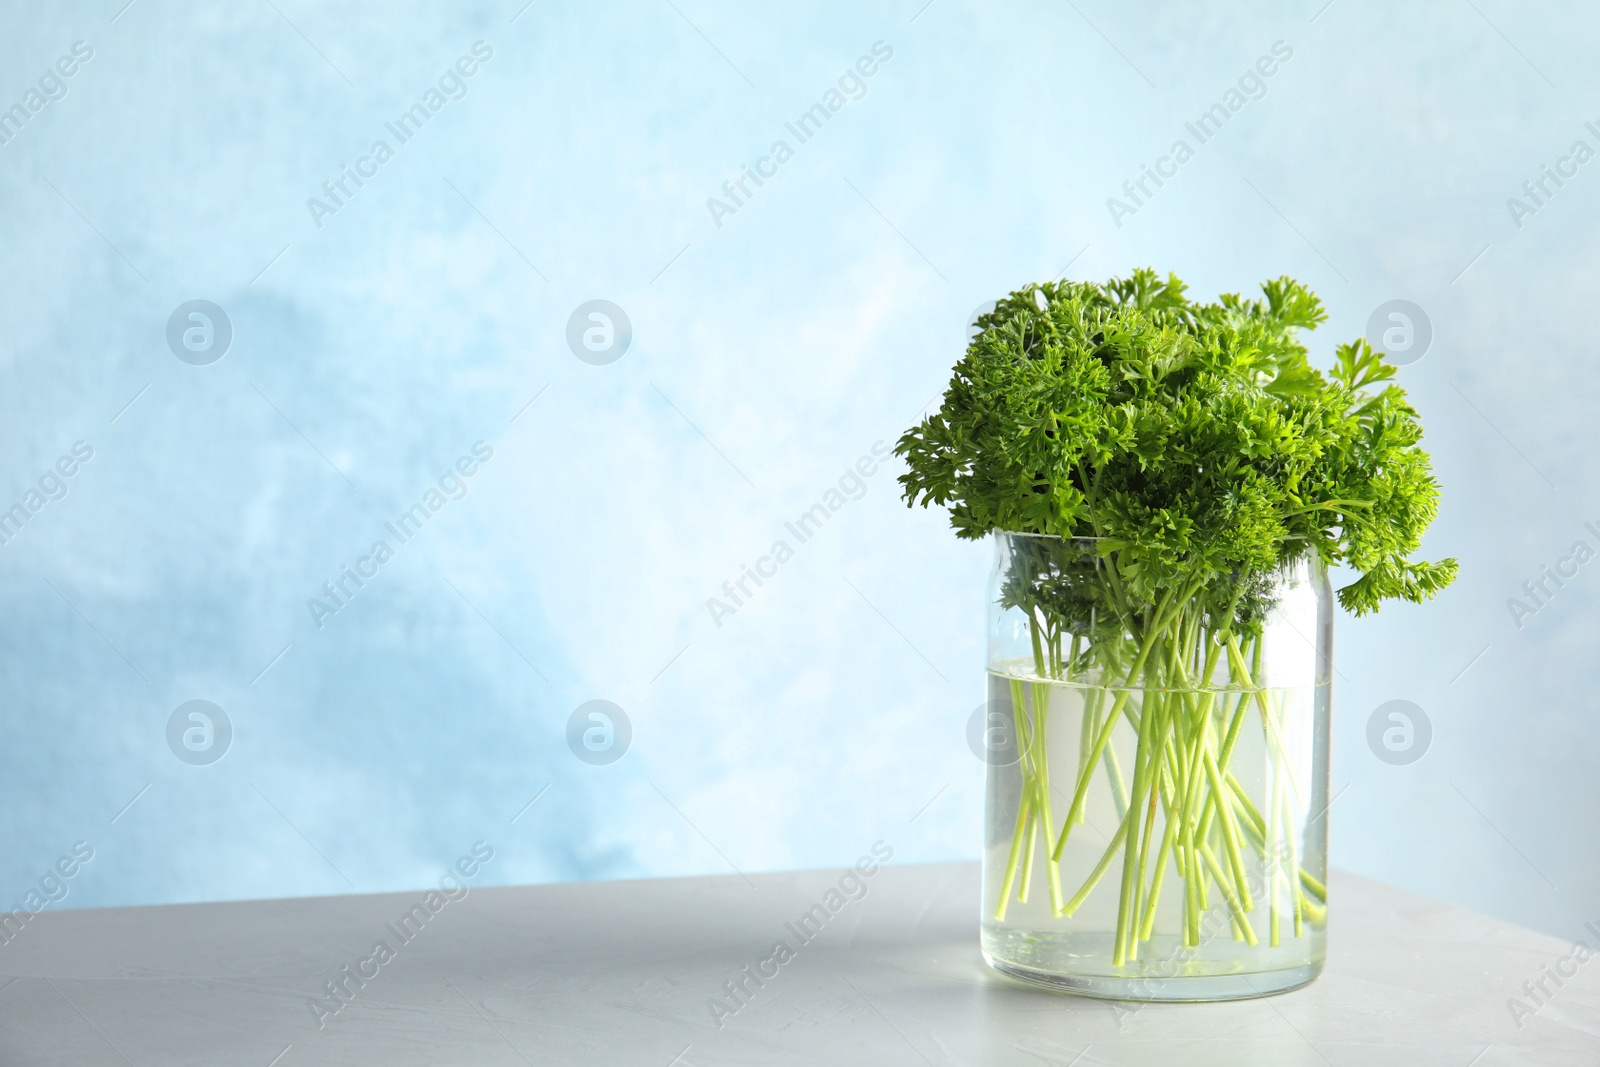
1195	442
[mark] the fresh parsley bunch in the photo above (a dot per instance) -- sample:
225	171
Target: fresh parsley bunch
1195	442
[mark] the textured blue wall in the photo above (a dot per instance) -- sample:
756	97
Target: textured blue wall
381	332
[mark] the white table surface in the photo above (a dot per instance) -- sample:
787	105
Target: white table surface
622	972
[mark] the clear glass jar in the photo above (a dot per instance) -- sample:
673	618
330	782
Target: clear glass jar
1110	867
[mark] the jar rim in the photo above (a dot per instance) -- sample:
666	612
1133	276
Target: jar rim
1046	536
1089	537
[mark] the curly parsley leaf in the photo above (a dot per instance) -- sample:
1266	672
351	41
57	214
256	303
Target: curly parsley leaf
1195	441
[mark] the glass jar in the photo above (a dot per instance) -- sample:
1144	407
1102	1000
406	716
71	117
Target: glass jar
1155	824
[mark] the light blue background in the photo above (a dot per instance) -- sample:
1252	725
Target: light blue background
768	354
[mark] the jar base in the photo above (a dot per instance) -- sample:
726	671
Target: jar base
1186	989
